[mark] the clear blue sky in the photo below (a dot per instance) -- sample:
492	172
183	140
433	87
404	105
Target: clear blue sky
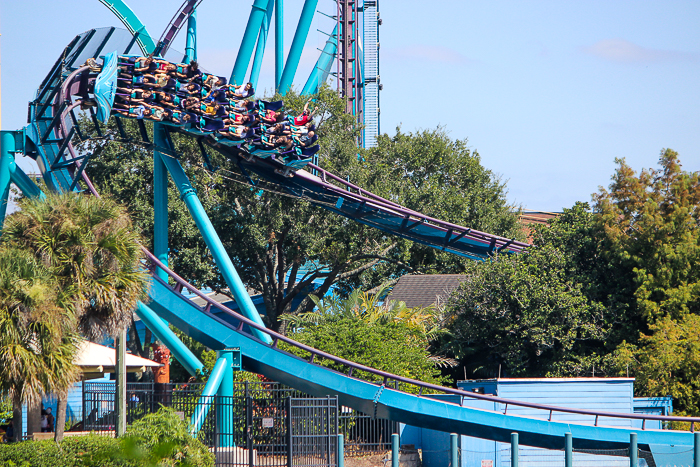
548	92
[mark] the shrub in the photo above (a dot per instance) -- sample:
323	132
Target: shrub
71	452
159	439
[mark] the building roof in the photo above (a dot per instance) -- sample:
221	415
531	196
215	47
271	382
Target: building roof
425	290
94	360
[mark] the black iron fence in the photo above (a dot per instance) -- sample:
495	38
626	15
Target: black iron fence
264	424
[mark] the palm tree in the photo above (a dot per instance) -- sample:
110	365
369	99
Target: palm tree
91	248
37	338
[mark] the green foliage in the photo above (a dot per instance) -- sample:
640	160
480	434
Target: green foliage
75	451
523	313
162	439
667	361
37	338
650	224
159	439
89	245
5	409
387	338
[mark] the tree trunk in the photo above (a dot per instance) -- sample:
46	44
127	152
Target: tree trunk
33	418
60	421
17	421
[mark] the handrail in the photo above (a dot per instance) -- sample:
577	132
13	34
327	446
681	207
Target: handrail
515	245
276	337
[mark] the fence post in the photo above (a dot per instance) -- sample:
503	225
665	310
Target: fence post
341	450
290	448
395	450
696	452
568	450
454	449
249	427
514	448
634	462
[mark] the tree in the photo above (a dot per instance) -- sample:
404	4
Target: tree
281	246
651	223
88	245
522	316
667	362
651	236
38	342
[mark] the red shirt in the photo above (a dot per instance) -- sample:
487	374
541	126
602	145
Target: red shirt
302	119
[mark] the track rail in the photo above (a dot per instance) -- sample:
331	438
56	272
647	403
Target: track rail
386	378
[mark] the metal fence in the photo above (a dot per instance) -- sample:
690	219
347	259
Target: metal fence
267	424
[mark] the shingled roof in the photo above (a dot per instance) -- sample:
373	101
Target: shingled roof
425	290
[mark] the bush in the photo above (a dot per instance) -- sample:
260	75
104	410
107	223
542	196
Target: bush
71	452
158	439
163	439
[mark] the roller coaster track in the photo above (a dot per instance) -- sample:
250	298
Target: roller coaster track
52	127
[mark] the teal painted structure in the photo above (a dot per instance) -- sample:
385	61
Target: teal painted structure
255	21
279	41
300	35
191	41
132	23
262	41
323	66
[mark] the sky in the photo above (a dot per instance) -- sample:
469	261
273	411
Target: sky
549	93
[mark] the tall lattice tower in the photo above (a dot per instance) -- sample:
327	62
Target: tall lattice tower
372	86
358	63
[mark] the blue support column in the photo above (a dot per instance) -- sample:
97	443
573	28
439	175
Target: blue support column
24	183
225	414
454	449
191	44
160	200
514	450
568	450
228	271
341	450
696	449
161	330
323	65
7	157
634	452
395	450
210	389
279	41
262	40
248	43
290	68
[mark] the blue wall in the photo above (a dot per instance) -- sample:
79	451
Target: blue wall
603	394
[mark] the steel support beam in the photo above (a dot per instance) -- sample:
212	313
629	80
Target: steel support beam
228	271
162	331
302	32
279	41
248	43
225	415
160	199
218	373
191	43
323	66
262	40
7	157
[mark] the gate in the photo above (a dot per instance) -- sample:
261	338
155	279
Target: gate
312	428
